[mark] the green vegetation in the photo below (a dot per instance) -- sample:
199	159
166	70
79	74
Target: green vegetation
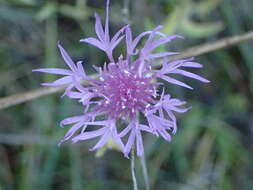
213	146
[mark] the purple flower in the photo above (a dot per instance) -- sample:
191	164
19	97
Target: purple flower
125	89
76	72
104	42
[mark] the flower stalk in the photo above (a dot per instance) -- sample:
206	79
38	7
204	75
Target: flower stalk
145	172
133	170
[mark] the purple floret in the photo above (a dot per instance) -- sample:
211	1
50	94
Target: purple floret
125	89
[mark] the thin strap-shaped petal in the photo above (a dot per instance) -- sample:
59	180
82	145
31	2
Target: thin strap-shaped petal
94	42
97	123
71	120
54	71
129	38
68	89
192	65
67	58
130	142
168	67
163	40
171	115
182	63
145	128
86	98
90	135
163	121
190	75
84	128
153	33
165	134
174	128
179	110
117	139
117	35
140	36
74	95
114	44
176	102
59	82
159	55
126	130
139	143
161	114
102	140
71	132
99	28
174	81
79	86
80	68
107	37
148	43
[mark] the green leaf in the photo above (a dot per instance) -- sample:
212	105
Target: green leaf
171	23
48	10
205	7
75	12
198	30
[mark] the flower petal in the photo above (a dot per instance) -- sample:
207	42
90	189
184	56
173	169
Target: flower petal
165	134
130	143
94	42
71	132
126	130
99	28
163	40
174	81
59	82
116	138
54	71
117	35
71	120
191	64
190	75
67	58
139	143
160	55
103	140
89	135
115	43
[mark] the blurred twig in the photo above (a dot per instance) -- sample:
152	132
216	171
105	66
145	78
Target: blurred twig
213	46
26	96
191	52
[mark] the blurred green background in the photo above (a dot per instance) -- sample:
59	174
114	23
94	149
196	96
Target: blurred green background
213	146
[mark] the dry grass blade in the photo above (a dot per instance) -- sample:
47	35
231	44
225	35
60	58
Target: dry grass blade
213	46
26	96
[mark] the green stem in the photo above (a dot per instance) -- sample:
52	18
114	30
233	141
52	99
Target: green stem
145	172
133	169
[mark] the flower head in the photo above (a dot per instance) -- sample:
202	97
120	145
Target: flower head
125	89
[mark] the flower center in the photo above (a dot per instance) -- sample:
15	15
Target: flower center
125	92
